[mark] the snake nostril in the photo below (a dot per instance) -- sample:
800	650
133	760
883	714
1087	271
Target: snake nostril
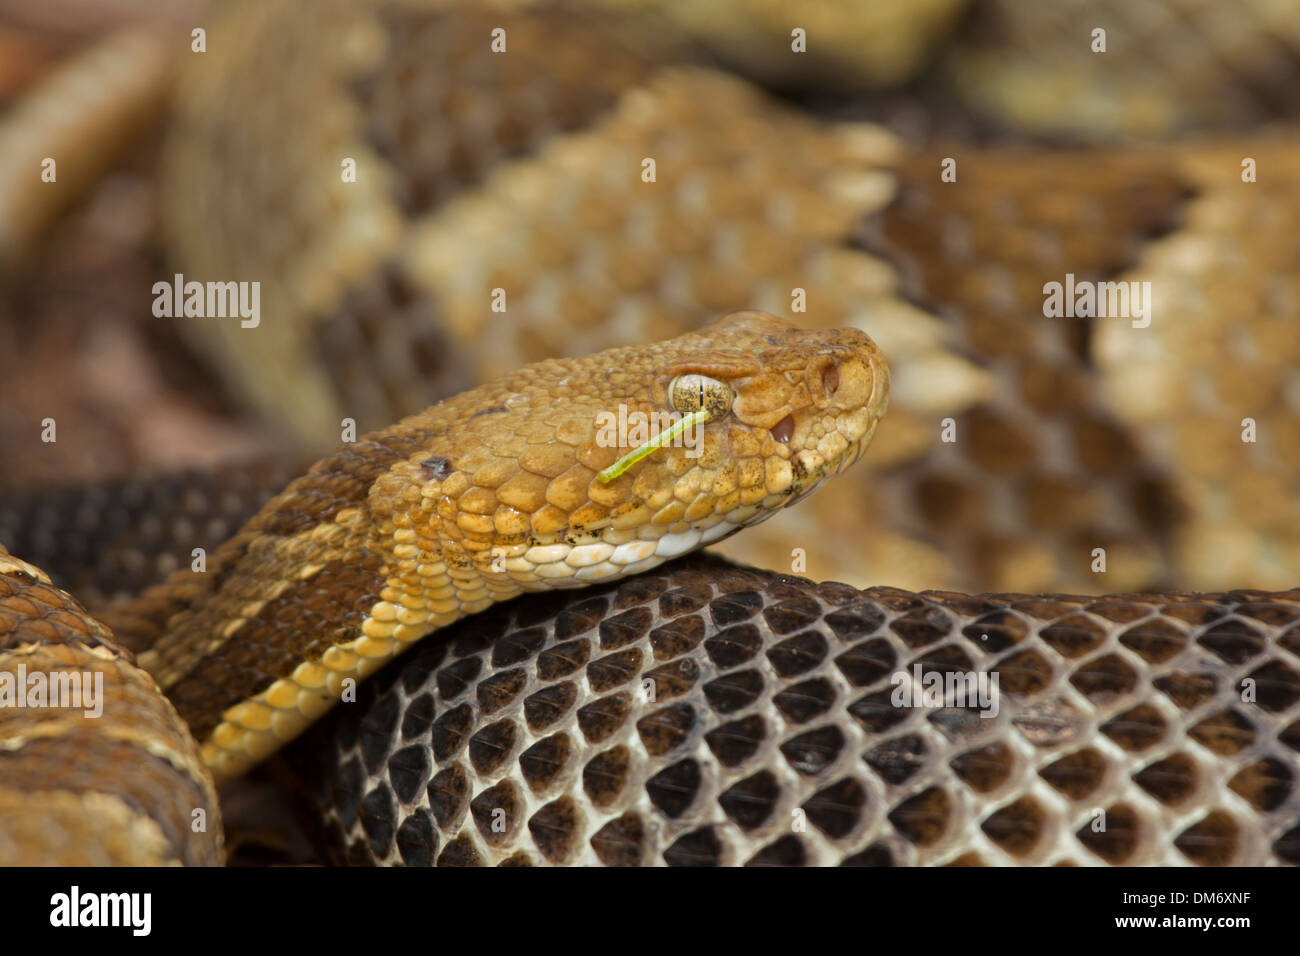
831	379
783	430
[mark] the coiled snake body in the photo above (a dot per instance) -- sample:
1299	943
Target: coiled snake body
696	713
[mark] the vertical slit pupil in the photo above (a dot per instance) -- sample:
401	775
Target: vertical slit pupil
831	379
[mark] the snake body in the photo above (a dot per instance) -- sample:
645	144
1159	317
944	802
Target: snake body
109	776
700	713
710	715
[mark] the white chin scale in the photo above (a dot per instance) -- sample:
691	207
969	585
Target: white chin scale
564	565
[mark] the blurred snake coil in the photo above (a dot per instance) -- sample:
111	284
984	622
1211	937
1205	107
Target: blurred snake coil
561	200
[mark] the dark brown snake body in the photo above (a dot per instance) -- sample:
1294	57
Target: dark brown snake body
710	715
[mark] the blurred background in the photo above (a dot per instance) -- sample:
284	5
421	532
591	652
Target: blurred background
918	169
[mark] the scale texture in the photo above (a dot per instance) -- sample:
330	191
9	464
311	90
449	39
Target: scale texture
705	714
111	777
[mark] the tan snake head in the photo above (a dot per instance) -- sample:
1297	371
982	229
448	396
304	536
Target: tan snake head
525	486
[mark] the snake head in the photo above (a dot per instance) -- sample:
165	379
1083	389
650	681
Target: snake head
575	470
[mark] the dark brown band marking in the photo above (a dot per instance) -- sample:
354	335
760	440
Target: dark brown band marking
83	761
297	626
341	481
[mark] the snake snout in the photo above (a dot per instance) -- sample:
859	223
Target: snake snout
851	376
878	400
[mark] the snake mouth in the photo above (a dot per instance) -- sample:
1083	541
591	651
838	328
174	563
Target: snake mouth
799	496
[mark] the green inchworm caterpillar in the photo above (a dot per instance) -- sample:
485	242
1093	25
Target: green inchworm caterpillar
658	441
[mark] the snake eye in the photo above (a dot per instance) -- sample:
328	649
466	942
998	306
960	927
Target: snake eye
690	393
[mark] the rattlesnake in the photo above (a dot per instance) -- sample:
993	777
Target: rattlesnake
1074	435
